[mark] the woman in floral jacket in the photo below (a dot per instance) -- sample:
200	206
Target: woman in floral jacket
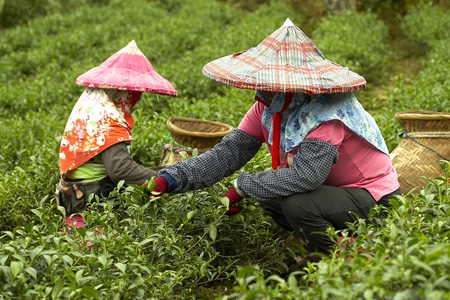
94	153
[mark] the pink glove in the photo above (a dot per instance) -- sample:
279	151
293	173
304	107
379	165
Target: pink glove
234	198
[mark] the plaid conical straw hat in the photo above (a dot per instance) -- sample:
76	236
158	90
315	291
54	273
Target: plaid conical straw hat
286	61
127	69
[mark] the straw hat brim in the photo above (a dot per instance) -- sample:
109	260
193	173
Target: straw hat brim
286	61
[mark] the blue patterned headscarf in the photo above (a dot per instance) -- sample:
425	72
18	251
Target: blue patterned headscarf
306	112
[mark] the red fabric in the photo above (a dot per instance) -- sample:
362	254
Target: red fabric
161	185
234	198
276	131
276	140
71	223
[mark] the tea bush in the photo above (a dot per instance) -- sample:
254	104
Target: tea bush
17	12
430	90
183	246
102	31
427	23
404	256
354	40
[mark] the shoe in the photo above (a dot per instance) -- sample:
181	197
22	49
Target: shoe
73	221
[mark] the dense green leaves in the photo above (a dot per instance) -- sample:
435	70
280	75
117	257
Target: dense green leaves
427	23
184	246
354	40
406	255
430	90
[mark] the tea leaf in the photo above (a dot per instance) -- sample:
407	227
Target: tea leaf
184	155
37	213
190	215
35	252
226	202
90	292
79	276
121	267
31	271
16	267
213	232
103	260
68	259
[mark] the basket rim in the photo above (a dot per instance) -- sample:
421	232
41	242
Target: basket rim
422	115
176	129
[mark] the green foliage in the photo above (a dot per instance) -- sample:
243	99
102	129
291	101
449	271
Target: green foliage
403	256
354	40
430	90
427	23
183	246
17	12
145	249
28	157
75	49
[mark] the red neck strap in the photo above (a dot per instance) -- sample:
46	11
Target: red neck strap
276	131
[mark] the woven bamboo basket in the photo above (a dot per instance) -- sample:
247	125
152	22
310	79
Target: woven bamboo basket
425	141
194	133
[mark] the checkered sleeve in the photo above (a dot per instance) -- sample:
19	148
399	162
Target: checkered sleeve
228	156
311	167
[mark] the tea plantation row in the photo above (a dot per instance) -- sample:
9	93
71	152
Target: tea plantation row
183	246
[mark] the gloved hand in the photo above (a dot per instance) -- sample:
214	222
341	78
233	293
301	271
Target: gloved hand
234	198
160	187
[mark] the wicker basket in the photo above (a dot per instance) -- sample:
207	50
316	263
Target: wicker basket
425	140
194	133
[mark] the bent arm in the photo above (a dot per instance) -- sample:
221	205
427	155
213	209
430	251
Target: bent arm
231	154
312	164
120	165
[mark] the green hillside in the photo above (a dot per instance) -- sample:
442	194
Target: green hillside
183	246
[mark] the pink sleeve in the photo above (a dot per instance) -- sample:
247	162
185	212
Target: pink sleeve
332	132
251	123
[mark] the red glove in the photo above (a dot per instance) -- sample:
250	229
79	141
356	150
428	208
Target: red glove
160	187
234	198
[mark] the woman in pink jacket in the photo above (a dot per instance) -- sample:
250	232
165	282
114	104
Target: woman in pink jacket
329	159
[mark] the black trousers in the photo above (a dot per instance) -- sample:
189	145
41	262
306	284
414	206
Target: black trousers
315	211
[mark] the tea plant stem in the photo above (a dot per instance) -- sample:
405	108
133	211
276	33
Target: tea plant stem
197	242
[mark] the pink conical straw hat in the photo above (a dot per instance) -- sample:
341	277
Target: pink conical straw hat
285	61
127	69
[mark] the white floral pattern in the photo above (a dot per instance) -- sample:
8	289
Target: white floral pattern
100	118
306	112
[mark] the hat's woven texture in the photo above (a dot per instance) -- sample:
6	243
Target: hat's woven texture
127	69
286	61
